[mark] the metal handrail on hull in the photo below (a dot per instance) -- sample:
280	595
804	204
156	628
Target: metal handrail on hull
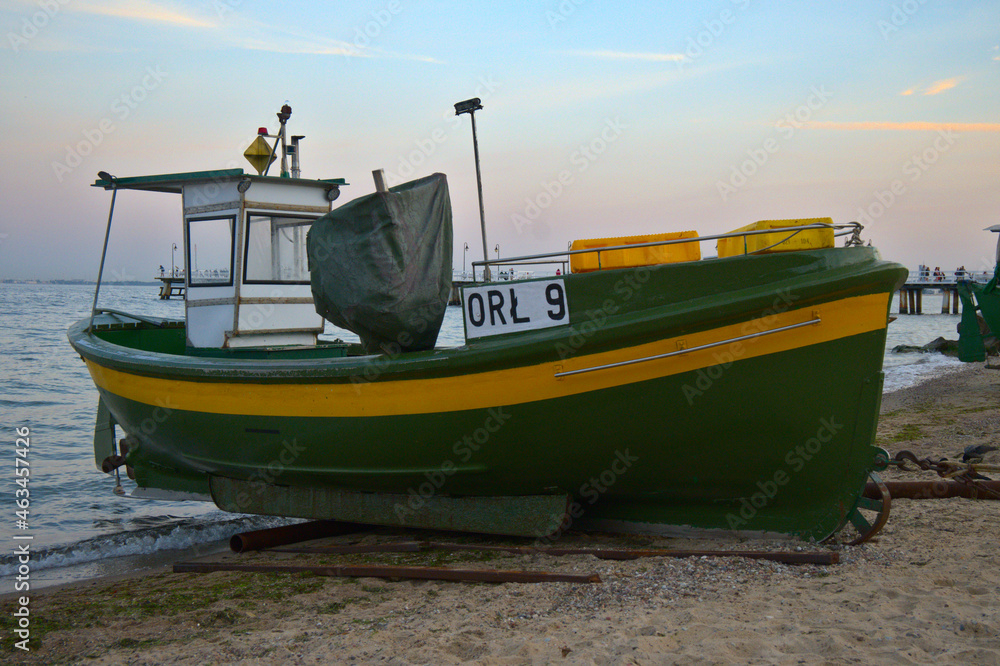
679	352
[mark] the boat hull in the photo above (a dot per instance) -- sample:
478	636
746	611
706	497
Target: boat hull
672	399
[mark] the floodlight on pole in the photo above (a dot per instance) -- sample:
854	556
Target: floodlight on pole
470	106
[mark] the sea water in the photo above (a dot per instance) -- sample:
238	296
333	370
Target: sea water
78	527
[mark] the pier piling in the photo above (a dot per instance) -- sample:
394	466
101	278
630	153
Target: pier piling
912	292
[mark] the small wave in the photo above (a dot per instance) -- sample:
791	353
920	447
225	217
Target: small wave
916	368
30	403
179	536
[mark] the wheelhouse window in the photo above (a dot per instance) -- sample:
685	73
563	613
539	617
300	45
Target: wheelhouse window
276	249
210	251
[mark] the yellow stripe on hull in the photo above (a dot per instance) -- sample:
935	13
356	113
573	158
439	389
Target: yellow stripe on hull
839	319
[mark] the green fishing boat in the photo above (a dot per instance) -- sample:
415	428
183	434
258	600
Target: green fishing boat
980	311
638	387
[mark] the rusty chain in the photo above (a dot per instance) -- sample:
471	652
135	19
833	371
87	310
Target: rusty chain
965	473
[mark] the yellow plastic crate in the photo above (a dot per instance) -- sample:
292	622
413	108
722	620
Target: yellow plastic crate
633	257
811	239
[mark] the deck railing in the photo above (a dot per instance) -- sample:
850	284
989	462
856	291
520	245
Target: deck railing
562	258
949	278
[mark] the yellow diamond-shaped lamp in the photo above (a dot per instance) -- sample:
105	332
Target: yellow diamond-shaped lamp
259	154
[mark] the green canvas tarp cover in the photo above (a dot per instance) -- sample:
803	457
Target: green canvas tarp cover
380	265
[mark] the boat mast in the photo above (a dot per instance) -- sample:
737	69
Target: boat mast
283	116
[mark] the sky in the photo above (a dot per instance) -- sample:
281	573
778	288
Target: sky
599	119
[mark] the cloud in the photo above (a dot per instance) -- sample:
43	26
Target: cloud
142	10
939	87
935	88
302	44
622	55
331	48
913	126
236	31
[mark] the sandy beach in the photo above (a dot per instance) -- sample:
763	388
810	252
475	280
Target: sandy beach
924	591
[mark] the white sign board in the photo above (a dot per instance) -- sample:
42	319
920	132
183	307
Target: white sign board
519	306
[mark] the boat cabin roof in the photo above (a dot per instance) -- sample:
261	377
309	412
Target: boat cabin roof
174	182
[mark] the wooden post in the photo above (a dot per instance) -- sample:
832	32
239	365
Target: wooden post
913	301
920	301
954	301
945	300
902	302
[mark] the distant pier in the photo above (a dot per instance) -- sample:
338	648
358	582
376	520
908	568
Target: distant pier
911	294
171	285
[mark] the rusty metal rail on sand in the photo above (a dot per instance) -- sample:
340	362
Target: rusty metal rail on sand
784	557
957	479
392	571
277	540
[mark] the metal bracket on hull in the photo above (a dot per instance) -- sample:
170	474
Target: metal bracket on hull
516	515
104	434
688	350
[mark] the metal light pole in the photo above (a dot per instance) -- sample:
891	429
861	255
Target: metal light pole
470	106
463	258
172	264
